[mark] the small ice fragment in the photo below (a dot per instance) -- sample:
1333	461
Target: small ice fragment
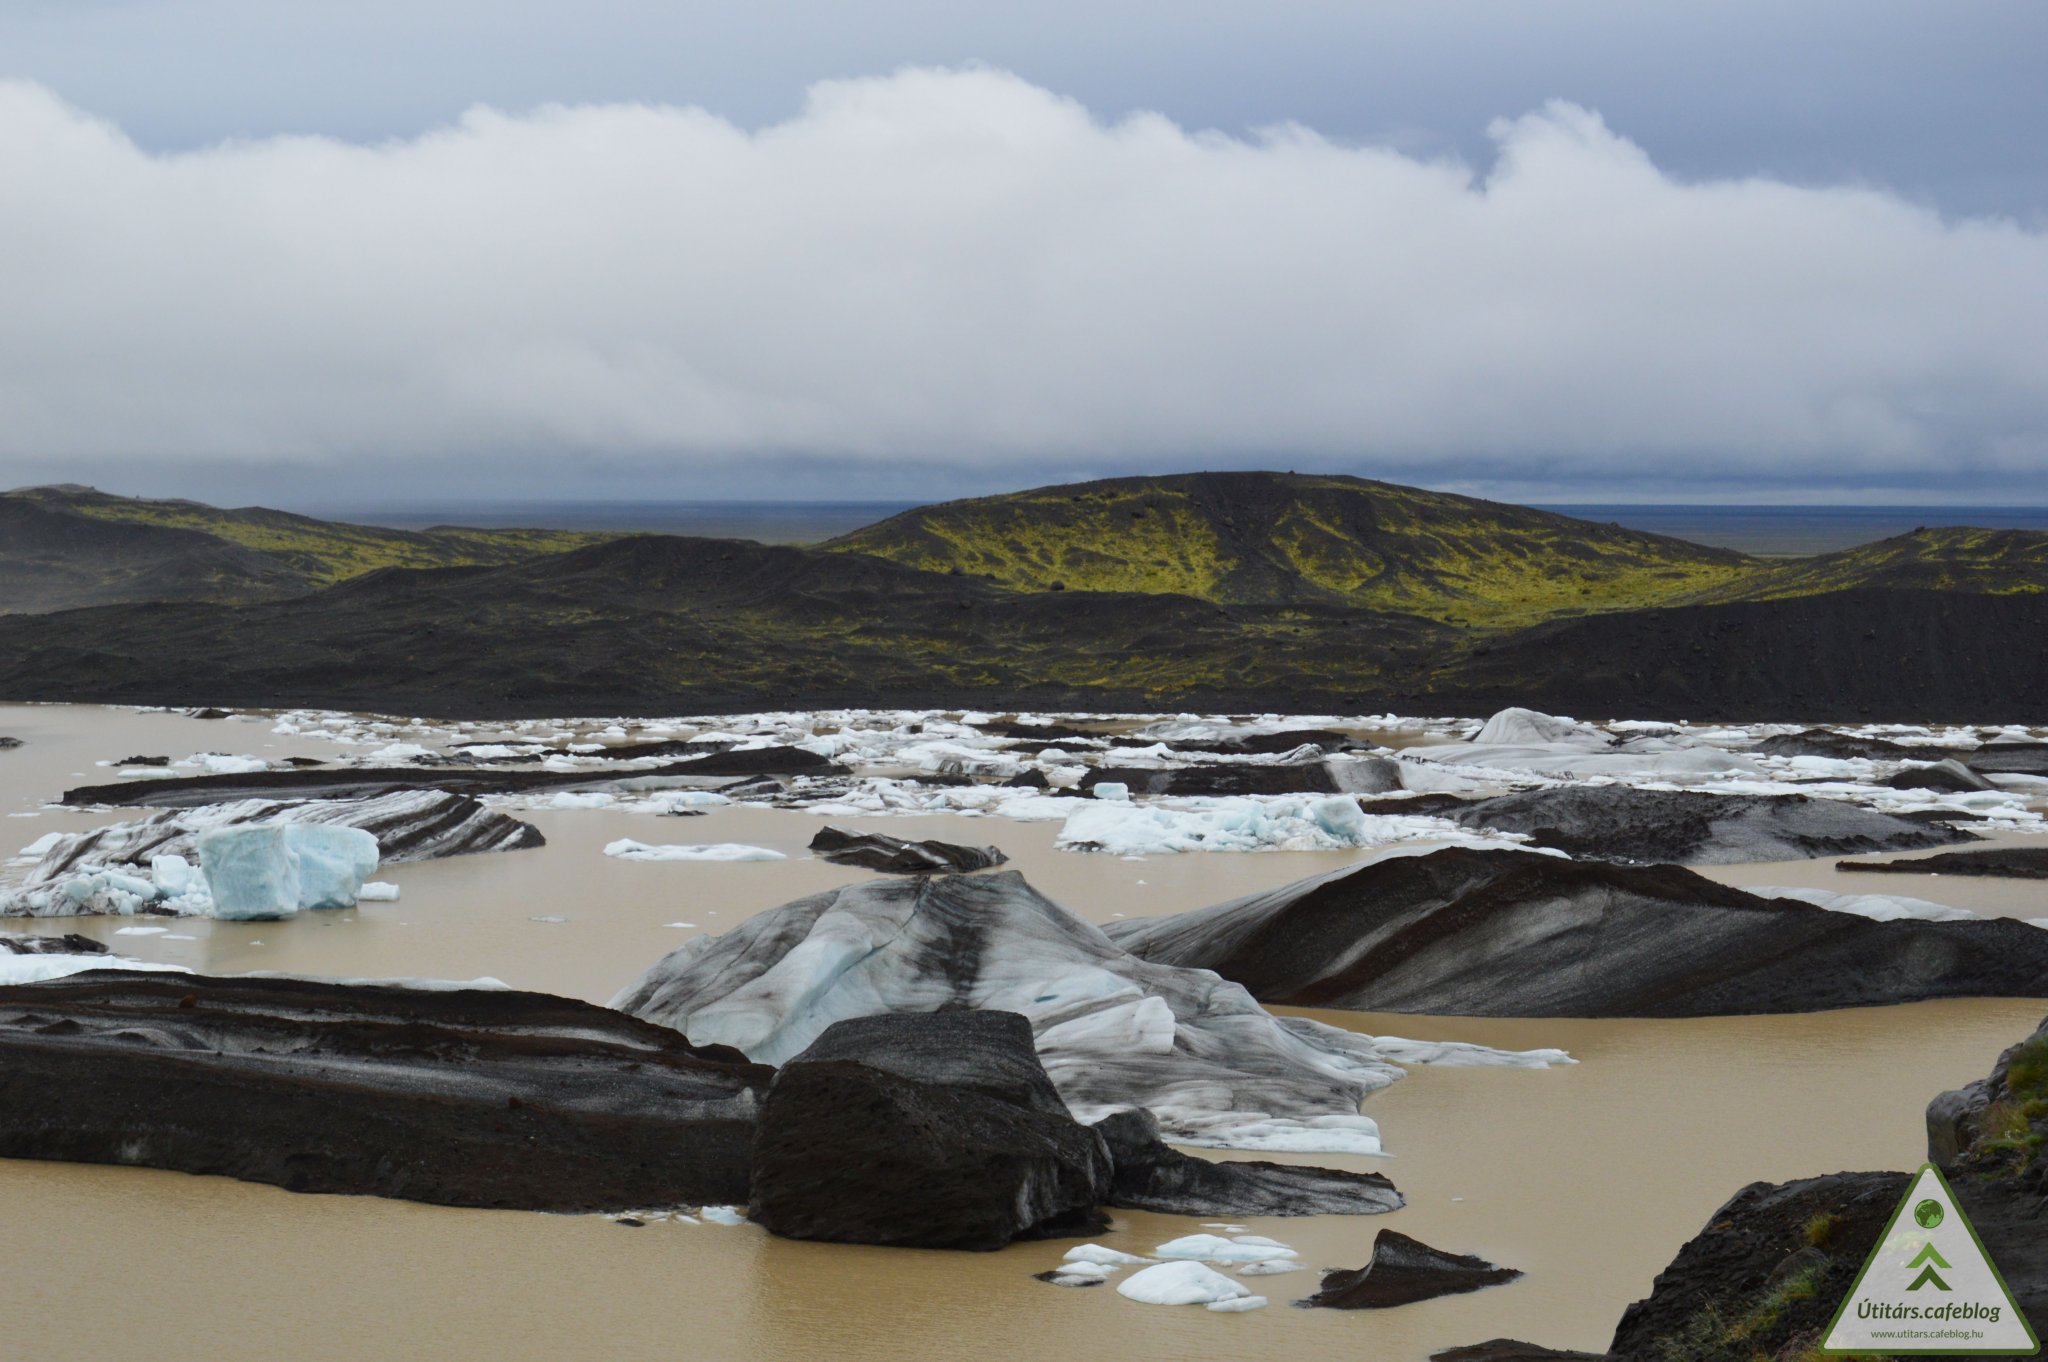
1215	1249
378	891
686	926
723	1215
629	850
140	931
1269	1267
548	917
1102	1256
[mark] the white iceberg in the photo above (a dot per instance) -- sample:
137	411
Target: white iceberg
1184	1283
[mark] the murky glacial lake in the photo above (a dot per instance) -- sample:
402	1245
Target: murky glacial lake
1587	1178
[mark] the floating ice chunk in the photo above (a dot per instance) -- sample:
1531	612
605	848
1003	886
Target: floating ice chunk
582	799
1186	1283
722	1215
1102	1256
678	801
140	931
333	863
629	850
250	872
1238	1305
1879	907
35	969
1113	790
1214	1248
377	891
399	751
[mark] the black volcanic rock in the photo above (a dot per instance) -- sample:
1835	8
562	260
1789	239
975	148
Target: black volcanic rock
2018	863
1723	1296
1690	827
1152	1175
924	1130
895	856
1402	1271
1517	934
460	1097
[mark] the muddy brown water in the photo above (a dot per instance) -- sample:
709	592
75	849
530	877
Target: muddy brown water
1588	1178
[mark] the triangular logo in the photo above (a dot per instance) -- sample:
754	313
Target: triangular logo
1929	1286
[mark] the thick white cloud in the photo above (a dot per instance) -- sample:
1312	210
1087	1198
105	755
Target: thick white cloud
961	268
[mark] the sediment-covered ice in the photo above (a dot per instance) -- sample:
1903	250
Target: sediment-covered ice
151	864
1113	1031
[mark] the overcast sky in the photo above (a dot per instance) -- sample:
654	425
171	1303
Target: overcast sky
303	251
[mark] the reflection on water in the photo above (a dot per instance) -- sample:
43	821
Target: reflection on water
1587	1178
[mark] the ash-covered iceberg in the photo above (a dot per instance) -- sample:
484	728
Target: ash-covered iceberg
152	864
1113	1031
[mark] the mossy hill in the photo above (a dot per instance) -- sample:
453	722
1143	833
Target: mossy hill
69	546
1277	593
1243	538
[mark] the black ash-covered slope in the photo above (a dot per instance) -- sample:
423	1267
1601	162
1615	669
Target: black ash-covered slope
1518	934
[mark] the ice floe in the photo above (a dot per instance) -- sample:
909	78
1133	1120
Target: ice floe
626	849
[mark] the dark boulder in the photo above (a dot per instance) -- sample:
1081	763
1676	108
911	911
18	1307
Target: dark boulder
1825	742
2011	758
2018	863
1403	1271
1151	1175
1948	775
462	1097
895	856
1518	934
144	761
1688	827
1511	1350
925	1130
71	943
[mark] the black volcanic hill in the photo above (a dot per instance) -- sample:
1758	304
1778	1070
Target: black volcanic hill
267	609
1243	538
68	546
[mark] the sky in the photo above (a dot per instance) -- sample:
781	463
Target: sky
309	252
